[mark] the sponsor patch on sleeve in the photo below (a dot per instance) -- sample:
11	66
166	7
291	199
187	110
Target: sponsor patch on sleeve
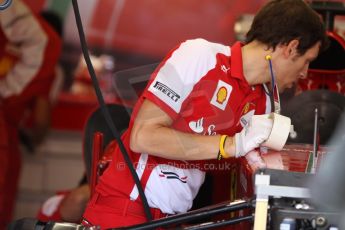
166	94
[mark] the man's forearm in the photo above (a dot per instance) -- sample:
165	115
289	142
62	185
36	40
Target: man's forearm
171	144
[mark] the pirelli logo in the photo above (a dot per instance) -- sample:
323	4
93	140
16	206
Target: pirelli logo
167	91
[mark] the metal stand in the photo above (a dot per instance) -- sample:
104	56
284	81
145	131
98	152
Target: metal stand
315	141
264	190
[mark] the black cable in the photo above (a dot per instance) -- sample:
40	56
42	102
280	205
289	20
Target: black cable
106	112
193	215
6	4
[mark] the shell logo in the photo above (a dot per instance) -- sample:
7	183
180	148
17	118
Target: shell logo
222	94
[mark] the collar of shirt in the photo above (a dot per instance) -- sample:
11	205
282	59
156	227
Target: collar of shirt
237	70
236	62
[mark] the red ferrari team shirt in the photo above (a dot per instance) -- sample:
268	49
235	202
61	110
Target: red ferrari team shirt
201	86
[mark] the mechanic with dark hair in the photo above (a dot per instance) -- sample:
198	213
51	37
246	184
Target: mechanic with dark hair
204	102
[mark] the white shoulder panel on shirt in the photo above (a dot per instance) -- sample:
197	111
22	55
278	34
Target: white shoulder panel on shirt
186	66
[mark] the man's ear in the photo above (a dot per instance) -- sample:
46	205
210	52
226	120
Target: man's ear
291	48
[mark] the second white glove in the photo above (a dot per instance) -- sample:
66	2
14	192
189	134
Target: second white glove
253	134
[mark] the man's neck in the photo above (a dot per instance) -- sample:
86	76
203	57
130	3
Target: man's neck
255	66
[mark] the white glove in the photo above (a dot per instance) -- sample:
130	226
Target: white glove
253	134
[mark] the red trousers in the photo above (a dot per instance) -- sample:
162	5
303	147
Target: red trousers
112	212
10	163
